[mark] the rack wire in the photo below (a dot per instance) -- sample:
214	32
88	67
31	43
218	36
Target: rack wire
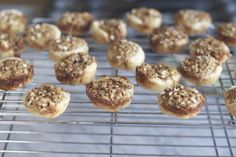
139	130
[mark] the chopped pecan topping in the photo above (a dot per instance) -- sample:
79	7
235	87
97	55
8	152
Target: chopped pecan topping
124	48
161	71
191	17
111	88
67	43
145	14
230	95
45	97
179	95
76	18
73	66
209	46
168	36
200	65
13	67
227	29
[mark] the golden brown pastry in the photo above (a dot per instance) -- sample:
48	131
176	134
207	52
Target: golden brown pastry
106	31
125	55
39	36
46	101
76	69
110	93
201	70
230	100
144	19
168	40
210	46
181	102
75	23
10	46
156	77
66	46
193	22
12	22
227	33
15	73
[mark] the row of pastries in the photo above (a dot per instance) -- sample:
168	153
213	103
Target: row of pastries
74	66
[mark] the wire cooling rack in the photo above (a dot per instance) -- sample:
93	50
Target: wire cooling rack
139	130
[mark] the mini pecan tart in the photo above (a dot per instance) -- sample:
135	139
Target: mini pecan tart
12	22
201	70
144	20
125	54
227	33
210	46
193	22
10	46
66	46
156	77
181	102
39	36
75	23
106	31
46	101
76	69
14	73
110	93
168	40
230	100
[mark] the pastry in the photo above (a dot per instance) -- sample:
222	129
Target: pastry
65	46
125	55
168	40
12	22
144	19
201	70
230	100
181	102
156	77
227	33
46	101
76	69
39	36
10	46
15	73
193	22
106	31
75	23
110	93
210	46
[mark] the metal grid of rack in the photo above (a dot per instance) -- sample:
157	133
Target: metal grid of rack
139	130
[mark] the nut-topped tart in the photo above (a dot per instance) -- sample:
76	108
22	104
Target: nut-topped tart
76	69
13	22
15	73
168	40
75	23
144	19
125	54
181	102
65	46
46	101
210	46
193	22
10	46
156	77
110	93
109	30
201	70
230	100
39	36
227	33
